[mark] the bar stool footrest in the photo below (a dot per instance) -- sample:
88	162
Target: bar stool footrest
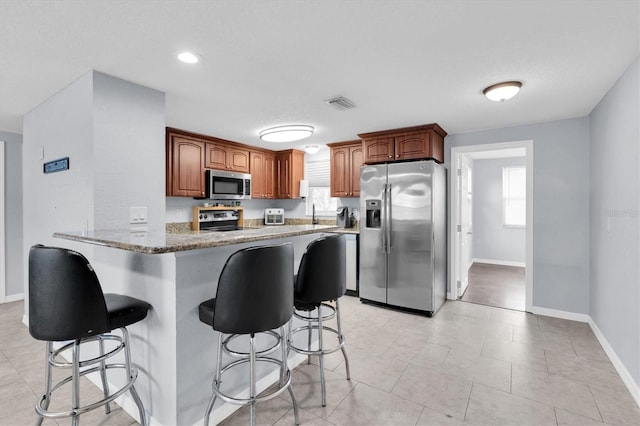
324	351
43	412
241	401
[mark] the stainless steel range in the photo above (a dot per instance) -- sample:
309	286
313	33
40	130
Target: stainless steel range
218	220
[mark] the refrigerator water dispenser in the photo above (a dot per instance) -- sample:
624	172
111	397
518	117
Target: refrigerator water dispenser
373	214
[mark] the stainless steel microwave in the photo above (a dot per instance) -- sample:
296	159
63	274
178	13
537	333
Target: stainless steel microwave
223	185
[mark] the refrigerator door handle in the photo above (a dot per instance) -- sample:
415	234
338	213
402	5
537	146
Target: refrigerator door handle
387	227
384	218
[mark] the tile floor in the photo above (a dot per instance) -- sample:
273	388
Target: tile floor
469	364
496	285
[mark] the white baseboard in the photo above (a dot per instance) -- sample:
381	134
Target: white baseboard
13	298
626	377
572	316
499	262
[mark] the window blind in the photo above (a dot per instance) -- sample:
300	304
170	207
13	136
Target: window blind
317	173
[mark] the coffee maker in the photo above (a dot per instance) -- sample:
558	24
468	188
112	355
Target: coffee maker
343	217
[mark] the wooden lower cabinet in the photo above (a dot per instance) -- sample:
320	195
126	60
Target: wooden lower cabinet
346	159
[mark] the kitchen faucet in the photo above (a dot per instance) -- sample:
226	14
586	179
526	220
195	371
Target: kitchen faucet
314	221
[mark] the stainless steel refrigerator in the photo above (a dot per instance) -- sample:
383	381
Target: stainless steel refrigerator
403	235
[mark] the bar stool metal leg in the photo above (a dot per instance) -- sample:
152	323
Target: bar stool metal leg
132	373
286	370
103	376
320	348
309	340
75	383
252	379
47	392
216	382
341	339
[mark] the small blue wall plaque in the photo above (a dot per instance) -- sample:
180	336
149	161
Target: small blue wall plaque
56	165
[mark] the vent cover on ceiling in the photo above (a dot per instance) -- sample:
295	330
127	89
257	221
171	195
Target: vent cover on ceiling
340	103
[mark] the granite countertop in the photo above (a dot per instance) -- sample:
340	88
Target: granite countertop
168	242
353	231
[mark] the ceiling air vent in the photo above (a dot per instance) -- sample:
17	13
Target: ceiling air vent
340	103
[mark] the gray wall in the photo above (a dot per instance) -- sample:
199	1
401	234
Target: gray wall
614	210
13	212
113	133
560	207
129	152
491	240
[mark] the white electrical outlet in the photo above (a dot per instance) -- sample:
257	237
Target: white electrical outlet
137	215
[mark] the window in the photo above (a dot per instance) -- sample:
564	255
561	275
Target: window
318	175
514	191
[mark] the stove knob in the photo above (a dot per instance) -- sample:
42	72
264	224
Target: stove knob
200	217
205	216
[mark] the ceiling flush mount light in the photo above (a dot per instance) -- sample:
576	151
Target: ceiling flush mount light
502	91
289	133
188	58
311	149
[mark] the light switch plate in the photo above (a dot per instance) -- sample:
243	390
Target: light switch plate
137	215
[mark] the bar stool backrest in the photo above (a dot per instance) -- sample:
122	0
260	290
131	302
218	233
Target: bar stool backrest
322	272
255	290
65	298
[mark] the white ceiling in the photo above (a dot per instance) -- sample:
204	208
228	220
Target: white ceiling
273	62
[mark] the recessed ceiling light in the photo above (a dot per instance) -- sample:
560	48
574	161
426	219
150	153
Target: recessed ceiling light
289	133
188	58
502	91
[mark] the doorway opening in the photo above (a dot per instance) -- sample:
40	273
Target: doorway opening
491	224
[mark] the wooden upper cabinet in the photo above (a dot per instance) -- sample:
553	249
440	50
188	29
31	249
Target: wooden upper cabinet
289	172
357	160
270	185
409	143
263	165
413	145
346	159
216	157
379	149
188	155
224	156
185	166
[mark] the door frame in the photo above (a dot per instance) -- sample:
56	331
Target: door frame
3	234
454	214
459	235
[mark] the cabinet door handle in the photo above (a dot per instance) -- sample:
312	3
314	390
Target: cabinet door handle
391	156
397	155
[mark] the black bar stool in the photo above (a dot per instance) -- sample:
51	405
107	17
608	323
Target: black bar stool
321	278
66	303
254	295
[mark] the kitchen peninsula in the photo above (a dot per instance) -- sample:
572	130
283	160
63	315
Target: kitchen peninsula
174	272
